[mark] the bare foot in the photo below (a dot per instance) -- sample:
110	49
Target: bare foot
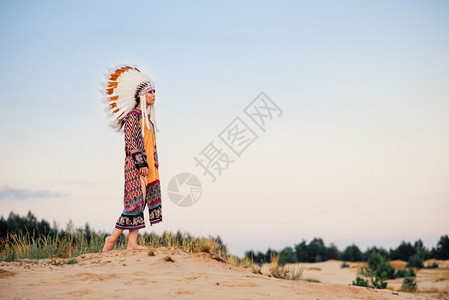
108	245
136	247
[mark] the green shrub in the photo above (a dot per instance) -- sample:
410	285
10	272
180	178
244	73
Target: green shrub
400	273
372	281
381	266
410	272
359	281
415	261
344	265
379	283
385	271
409	283
375	259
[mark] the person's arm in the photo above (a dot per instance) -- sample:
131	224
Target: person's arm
134	141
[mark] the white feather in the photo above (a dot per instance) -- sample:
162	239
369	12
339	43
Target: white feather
127	83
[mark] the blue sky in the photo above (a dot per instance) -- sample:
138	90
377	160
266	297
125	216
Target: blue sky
360	154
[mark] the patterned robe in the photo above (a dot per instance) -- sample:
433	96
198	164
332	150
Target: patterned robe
140	152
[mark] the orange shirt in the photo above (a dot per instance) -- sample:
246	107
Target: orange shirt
149	140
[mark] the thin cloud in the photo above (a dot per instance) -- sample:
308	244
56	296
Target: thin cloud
9	192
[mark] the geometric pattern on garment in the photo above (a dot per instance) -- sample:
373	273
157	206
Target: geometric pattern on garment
134	140
154	202
135	159
133	196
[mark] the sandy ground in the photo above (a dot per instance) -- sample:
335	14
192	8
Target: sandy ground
330	272
325	272
136	275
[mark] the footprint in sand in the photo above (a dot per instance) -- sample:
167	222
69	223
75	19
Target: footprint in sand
184	292
142	281
79	292
6	273
92	276
236	284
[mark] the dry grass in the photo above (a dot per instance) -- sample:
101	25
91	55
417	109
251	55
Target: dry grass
18	246
21	246
281	271
442	264
245	263
256	269
398	264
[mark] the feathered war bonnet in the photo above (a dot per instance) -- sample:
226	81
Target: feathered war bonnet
123	88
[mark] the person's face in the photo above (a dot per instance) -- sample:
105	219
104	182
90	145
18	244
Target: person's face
150	96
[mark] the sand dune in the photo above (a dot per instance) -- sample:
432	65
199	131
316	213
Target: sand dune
133	273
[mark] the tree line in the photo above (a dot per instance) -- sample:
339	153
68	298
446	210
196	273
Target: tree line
317	251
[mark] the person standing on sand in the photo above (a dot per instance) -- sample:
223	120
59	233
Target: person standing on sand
128	95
